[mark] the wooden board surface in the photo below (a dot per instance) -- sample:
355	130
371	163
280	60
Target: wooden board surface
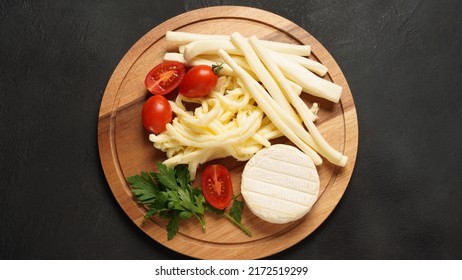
125	149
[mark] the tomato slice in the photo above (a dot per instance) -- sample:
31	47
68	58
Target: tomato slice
156	114
165	77
217	187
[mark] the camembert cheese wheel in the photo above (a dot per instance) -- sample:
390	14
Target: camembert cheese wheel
280	184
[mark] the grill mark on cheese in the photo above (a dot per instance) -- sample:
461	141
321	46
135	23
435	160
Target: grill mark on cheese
283	207
311	178
298	197
281	158
269	184
278	200
276	212
270	163
289	182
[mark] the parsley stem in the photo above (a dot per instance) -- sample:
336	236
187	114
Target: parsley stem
201	220
239	225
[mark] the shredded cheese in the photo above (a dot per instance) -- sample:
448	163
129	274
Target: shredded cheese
226	123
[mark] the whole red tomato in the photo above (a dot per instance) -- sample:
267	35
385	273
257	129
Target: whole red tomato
199	81
156	114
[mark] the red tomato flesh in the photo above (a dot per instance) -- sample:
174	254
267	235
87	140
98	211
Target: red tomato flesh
165	77
156	114
217	187
198	81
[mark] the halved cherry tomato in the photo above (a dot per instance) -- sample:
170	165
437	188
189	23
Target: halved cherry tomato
156	114
217	187
165	77
199	81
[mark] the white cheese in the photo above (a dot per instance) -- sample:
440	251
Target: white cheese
280	184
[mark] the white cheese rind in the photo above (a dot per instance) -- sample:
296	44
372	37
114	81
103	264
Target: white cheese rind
280	184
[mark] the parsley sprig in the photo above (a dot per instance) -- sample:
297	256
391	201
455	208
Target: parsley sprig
234	215
169	193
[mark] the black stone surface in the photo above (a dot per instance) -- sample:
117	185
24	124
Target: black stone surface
403	62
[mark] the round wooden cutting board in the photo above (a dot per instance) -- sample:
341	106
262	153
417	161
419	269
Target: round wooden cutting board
125	149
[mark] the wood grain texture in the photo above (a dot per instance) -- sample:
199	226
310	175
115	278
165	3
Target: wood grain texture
125	149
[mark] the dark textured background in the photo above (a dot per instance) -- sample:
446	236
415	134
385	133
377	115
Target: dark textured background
403	62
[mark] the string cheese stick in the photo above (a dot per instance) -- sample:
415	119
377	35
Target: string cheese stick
325	149
309	64
262	73
311	83
187	37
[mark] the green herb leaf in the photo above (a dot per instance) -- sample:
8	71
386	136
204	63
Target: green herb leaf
200	201
183	177
151	212
185	199
236	209
143	187
166	176
184	215
235	214
160	204
173	200
173	226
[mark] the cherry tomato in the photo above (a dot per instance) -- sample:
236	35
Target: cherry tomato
217	187
165	77
199	81
156	114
